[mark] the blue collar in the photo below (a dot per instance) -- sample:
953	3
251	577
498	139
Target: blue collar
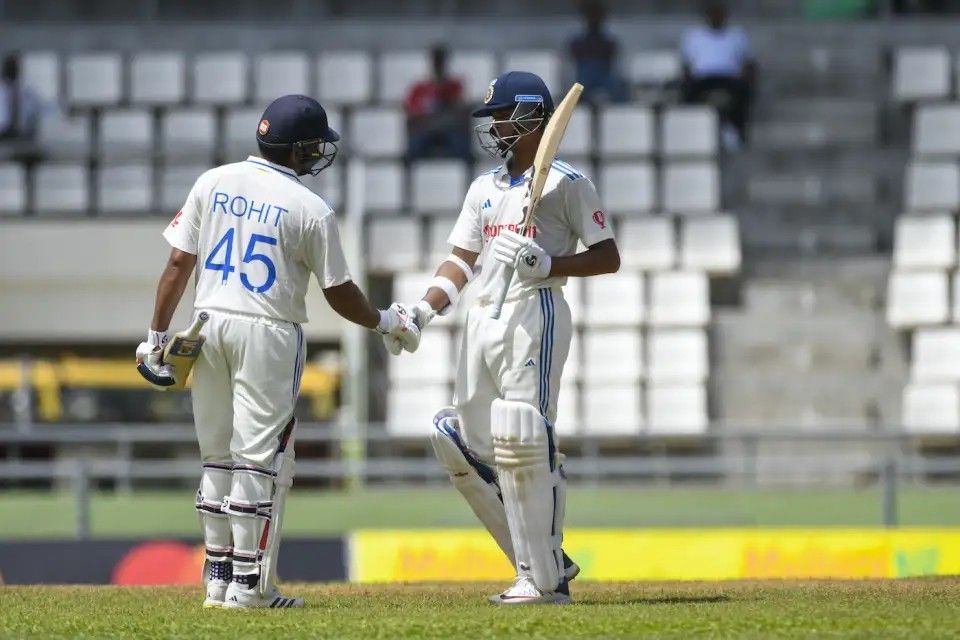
279	168
504	180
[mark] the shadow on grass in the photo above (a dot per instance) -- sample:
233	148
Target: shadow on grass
662	600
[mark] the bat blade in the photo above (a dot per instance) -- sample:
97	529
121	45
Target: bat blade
184	348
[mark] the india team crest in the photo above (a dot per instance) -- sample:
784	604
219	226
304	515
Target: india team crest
489	95
264	127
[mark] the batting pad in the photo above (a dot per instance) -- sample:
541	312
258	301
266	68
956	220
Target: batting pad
476	481
528	473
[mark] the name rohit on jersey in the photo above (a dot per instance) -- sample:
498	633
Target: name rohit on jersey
241	207
493	230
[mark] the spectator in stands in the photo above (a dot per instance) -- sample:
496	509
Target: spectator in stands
437	119
719	69
594	54
19	105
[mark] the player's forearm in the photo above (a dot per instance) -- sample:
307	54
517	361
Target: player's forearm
350	303
170	288
603	257
436	296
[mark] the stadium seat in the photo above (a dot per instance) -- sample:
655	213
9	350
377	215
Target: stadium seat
344	78
60	189
615	300
439	228
711	244
158	78
628	187
691	187
411	408
679	299
921	73
383	187
654	68
378	132
612	410
13	189
677	356
40	70
626	131
398	71
933	186
280	73
689	131
936	130
220	78
573	294
176	180
545	64
64	138
612	356
568	419
925	242
126	189
931	408
328	185
431	362
438	186
94	80
126	134
936	355
578	138
240	133
916	298
651	241
475	69
393	245
188	134
676	409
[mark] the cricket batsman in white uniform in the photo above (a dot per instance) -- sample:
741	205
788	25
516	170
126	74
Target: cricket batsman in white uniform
497	442
255	234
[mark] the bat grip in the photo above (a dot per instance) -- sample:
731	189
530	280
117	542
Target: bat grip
497	307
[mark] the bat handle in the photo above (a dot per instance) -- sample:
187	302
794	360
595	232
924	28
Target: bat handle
502	294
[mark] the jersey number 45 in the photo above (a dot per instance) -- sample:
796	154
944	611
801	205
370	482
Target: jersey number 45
224	246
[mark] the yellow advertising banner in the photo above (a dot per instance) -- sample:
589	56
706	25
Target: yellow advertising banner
665	554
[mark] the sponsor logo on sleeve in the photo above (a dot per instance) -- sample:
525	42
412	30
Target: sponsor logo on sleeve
600	219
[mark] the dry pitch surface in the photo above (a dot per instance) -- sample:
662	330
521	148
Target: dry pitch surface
928	608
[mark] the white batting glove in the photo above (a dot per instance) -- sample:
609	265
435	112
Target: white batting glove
150	360
528	258
421	312
399	327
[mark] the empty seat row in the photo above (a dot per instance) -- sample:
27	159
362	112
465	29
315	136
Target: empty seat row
925	241
936	130
632	131
923	73
922	298
933	186
932	408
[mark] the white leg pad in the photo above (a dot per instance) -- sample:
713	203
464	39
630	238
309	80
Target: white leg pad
249	506
529	473
476	481
217	538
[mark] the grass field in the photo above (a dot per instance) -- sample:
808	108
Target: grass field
868	609
25	514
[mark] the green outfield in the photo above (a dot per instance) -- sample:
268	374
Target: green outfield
25	514
770	609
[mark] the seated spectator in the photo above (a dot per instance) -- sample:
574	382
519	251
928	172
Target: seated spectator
718	69
19	105
594	55
437	118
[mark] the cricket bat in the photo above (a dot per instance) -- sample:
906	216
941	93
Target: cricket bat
546	152
180	353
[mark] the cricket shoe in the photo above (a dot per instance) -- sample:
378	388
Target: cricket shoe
524	591
238	597
570	568
216	592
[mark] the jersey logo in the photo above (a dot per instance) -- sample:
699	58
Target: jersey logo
600	219
176	218
486	205
530	363
264	127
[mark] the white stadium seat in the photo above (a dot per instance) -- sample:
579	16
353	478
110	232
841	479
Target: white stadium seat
676	409
931	408
94	79
651	242
378	132
612	410
936	130
220	78
691	187
188	134
921	73
925	242
40	70
711	244
568	410
545	64
383	187
677	356
438	186
328	185
615	300
936	355
13	188
64	138
679	299
933	186
126	134
158	78
61	188
626	131
176	180
344	78
689	131
280	73
612	356
439	228
573	294
578	138
410	409
124	189
431	362
916	298
393	244
398	71
240	133
654	68
628	187
475	69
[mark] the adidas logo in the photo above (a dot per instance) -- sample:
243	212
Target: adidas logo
487	204
234	599
529	363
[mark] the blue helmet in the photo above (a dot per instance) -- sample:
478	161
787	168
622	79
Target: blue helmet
526	96
299	123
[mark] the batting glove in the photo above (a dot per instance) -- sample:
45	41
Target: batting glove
398	327
523	254
150	361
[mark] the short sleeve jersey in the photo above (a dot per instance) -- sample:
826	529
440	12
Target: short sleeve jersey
258	233
569	211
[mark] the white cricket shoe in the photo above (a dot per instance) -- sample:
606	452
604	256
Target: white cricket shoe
524	591
216	592
239	598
